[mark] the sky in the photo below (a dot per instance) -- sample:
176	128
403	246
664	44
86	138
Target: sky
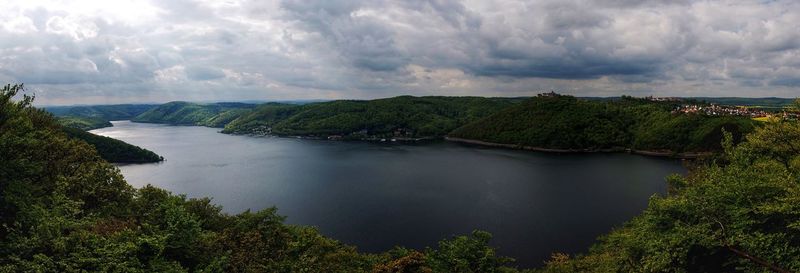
127	51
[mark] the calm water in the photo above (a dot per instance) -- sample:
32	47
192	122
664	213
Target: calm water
376	196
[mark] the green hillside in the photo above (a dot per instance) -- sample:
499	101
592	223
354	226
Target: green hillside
737	213
104	112
258	120
566	122
403	116
113	150
83	123
187	113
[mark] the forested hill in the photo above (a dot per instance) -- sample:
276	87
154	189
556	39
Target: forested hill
113	150
259	119
559	123
404	116
187	113
83	123
757	102
96	116
565	122
102	112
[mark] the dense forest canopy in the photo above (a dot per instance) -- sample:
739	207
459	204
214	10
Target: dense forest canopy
262	117
559	122
403	116
187	113
739	212
83	123
103	112
113	150
65	209
566	122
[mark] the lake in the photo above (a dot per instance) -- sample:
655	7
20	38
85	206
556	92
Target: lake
376	196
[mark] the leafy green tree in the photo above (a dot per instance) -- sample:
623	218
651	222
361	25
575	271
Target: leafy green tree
735	214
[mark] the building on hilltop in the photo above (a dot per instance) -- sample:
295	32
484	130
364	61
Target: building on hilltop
549	94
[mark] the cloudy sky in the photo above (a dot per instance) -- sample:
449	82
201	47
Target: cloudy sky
102	51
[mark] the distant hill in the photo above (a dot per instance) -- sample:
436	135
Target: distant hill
105	112
187	113
404	116
83	123
562	122
770	102
761	102
262	117
566	122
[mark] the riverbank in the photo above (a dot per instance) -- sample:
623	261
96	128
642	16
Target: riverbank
662	153
671	154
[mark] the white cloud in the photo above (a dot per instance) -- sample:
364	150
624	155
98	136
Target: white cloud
79	28
138	50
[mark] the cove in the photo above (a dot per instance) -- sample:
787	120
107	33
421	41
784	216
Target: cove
376	196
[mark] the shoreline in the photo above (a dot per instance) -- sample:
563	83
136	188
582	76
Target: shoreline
670	154
667	154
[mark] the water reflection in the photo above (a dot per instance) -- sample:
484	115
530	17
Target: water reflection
376	196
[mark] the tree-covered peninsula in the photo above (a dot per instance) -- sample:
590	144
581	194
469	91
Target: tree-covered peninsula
114	150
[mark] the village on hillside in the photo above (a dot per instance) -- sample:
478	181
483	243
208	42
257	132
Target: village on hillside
714	109
689	106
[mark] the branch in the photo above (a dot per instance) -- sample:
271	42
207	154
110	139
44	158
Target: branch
757	260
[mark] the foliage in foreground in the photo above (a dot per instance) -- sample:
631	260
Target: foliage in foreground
64	209
737	213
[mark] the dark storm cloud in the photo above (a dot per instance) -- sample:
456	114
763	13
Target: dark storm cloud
366	42
557	39
184	49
